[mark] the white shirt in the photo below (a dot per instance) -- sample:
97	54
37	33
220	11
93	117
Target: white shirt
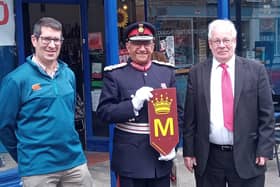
218	133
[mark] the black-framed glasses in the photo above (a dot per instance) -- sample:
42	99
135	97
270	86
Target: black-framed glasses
47	40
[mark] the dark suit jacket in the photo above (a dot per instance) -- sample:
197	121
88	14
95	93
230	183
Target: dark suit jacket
253	116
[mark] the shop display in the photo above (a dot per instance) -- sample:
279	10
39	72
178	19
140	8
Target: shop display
122	18
176	36
96	60
96	55
71	48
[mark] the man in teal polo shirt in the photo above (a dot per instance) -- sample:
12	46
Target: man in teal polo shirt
37	115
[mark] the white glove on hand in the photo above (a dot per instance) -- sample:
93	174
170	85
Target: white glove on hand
169	156
142	94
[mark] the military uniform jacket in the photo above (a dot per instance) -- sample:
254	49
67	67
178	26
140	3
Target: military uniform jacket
132	154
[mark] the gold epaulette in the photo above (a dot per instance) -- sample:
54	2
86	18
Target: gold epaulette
114	66
164	63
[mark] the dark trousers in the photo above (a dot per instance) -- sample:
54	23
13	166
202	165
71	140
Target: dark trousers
220	171
154	182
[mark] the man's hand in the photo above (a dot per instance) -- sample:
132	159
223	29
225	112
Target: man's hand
169	156
190	162
142	94
260	161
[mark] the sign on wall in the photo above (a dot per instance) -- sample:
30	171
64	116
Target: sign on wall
7	23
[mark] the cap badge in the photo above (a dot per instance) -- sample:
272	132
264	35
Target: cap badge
141	28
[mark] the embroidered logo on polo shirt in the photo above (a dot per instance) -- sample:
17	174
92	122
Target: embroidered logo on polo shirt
36	87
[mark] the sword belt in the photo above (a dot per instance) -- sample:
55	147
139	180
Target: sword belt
137	128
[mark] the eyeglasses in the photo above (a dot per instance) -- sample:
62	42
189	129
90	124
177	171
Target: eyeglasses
140	43
224	41
47	40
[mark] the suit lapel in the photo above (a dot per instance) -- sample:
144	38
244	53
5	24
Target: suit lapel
206	74
239	80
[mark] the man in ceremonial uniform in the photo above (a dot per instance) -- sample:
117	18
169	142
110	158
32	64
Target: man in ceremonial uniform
123	101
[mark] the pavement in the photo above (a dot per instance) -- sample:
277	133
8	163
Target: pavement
100	171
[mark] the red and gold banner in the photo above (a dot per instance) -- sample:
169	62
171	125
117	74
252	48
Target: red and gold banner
163	120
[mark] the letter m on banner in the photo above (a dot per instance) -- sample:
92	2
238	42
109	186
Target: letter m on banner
163	130
163	120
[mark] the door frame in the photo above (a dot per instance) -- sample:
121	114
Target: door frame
85	54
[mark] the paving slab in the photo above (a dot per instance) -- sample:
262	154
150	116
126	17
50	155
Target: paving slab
101	172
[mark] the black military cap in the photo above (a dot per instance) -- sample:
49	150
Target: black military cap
139	31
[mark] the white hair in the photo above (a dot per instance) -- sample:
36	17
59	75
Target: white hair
222	24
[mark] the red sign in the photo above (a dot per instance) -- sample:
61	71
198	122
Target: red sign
163	120
123	55
7	23
5	14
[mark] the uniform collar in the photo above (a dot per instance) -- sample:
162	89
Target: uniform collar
141	68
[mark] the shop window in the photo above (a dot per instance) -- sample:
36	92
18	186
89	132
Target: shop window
97	59
258	24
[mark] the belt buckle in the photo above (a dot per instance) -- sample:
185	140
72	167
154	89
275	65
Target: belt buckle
226	148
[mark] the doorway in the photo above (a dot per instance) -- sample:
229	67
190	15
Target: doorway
72	46
74	50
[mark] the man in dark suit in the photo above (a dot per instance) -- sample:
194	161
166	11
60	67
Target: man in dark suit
228	132
127	88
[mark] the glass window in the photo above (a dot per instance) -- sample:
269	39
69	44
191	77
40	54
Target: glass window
182	33
182	29
8	59
258	27
96	43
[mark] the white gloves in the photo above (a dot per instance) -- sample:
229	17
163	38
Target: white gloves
142	94
169	156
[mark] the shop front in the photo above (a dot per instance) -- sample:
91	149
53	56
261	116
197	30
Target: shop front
93	39
7	43
186	21
84	49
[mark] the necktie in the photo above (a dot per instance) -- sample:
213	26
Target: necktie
227	98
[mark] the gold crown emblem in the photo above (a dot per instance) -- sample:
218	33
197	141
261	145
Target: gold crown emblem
162	105
140	28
